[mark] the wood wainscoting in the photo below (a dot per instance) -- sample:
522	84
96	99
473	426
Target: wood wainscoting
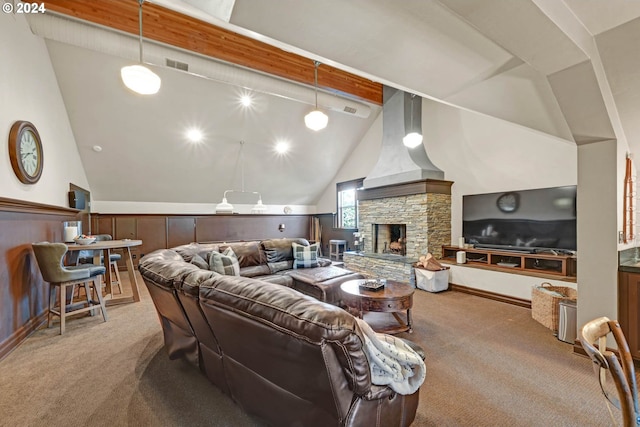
23	293
158	231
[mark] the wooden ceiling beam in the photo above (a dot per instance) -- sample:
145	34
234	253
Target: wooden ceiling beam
175	29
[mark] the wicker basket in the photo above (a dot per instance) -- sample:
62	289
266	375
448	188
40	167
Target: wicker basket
545	307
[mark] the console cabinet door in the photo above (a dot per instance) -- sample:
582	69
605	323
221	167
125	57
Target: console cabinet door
628	309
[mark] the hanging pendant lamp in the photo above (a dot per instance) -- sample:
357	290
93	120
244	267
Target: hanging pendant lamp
225	207
413	138
316	120
137	77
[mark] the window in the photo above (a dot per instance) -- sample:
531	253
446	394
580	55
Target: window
348	203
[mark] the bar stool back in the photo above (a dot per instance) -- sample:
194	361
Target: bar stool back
50	257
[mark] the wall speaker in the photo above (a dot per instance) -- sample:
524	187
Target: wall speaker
77	199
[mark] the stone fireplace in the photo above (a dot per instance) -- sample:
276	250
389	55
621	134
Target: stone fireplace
404	210
420	210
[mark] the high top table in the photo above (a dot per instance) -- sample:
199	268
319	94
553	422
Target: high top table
105	246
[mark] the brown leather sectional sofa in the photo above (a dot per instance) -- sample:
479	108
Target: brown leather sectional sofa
286	357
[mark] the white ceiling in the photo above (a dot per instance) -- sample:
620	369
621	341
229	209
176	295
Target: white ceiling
491	56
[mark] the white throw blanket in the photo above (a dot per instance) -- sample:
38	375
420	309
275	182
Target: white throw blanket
392	361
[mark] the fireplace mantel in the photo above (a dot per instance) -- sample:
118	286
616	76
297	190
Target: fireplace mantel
433	186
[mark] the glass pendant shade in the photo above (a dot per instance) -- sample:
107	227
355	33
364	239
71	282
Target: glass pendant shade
259	208
140	79
137	77
413	132
224	206
412	140
316	120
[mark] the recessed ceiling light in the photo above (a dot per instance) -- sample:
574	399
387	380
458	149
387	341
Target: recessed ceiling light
282	147
194	135
97	148
246	100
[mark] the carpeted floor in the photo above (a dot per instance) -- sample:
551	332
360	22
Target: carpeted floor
488	364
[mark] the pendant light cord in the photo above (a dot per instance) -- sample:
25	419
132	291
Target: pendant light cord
412	100
140	25
315	78
242	165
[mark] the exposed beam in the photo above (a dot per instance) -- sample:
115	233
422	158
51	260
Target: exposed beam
172	28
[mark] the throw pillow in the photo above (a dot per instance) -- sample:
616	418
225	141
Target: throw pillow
224	263
305	256
198	261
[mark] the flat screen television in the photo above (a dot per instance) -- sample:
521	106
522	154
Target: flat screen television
538	220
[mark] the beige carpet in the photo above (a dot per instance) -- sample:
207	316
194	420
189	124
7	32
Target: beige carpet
488	364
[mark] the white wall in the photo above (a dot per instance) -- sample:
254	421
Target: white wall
30	92
481	154
597	231
111	207
358	165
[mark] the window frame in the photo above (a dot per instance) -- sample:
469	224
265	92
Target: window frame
353	184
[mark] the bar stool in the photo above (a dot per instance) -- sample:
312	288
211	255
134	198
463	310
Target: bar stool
49	257
334	249
86	257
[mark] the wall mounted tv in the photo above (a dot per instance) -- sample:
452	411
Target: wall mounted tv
540	220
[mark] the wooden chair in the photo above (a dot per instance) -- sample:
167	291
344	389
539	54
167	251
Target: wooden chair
50	257
622	371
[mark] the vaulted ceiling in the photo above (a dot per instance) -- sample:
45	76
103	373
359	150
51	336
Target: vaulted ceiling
567	69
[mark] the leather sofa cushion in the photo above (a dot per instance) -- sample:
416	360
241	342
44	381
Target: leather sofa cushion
294	313
279	279
275	267
255	270
278	250
192	281
165	268
203	249
249	253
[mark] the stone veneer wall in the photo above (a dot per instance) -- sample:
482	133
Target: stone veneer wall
380	268
428	220
427	217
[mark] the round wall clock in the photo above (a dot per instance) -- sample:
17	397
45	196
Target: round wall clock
508	202
25	152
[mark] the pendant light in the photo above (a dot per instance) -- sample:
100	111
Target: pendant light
137	77
225	207
316	120
413	138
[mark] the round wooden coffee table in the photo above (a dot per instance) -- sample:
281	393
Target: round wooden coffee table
396	297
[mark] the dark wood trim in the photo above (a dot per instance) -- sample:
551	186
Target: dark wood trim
14	205
426	186
491	295
19	335
172	28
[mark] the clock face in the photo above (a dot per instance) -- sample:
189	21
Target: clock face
29	153
508	202
25	152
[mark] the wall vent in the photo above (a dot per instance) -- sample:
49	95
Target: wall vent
349	110
177	64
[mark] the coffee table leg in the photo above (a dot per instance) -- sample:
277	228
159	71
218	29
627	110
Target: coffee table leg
409	320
